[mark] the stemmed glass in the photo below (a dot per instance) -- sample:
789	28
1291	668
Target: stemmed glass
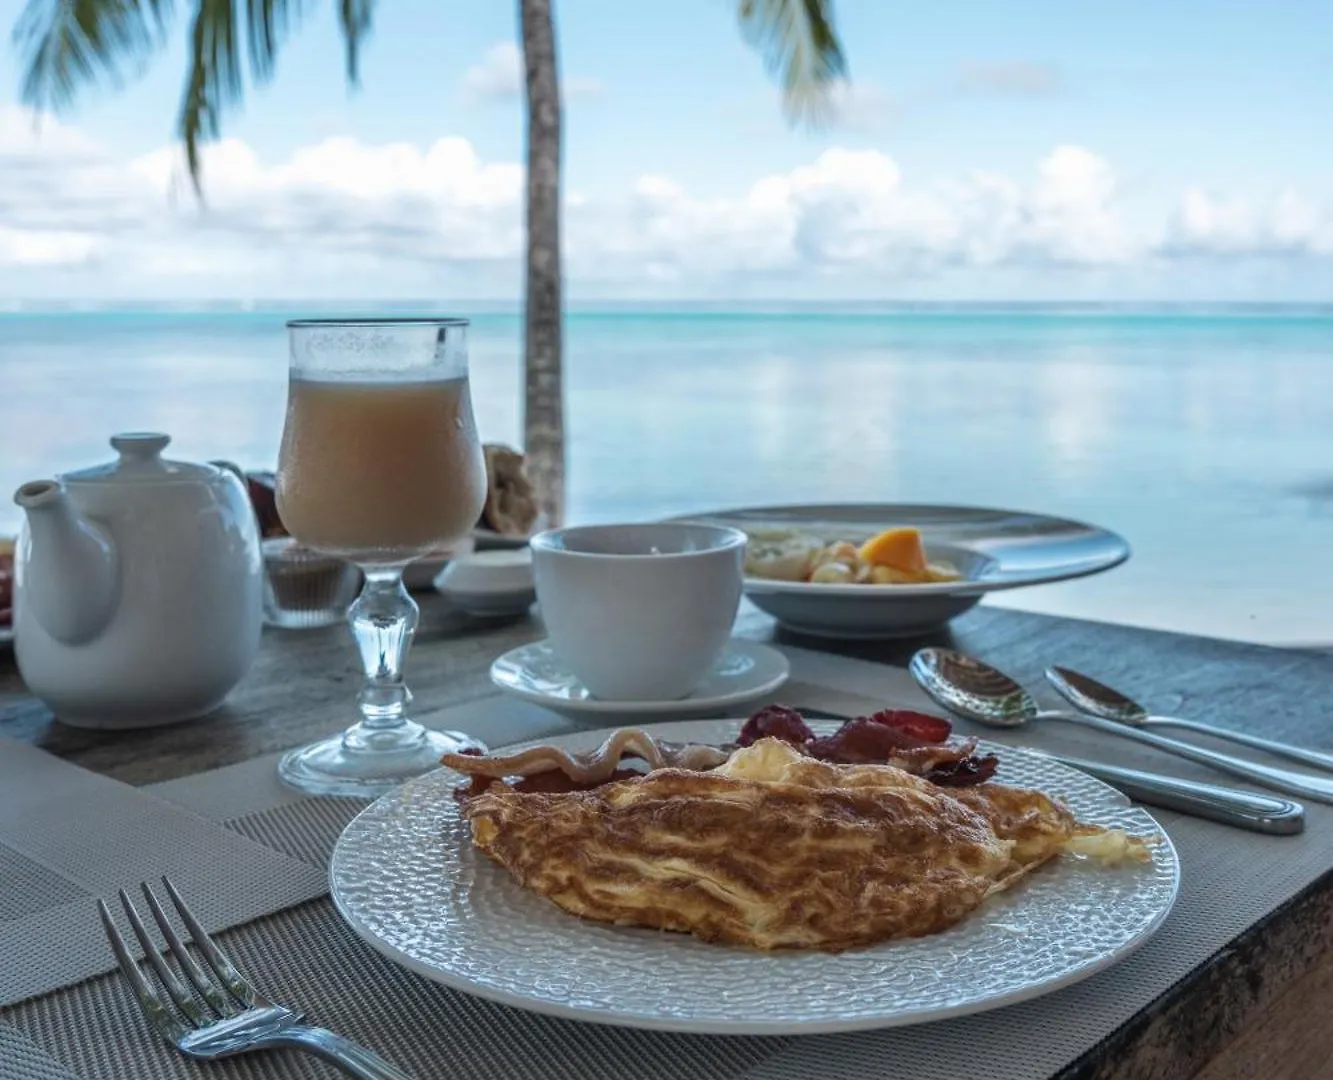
380	463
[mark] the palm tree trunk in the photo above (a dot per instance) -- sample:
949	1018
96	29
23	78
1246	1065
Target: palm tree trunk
543	399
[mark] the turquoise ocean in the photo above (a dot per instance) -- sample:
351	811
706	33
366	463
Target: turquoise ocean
1204	436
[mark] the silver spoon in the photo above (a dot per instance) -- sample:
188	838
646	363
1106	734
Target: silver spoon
981	693
1090	696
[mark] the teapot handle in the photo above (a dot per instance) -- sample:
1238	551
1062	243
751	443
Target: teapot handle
231	467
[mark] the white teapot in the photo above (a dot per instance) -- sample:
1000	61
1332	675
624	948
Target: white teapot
138	594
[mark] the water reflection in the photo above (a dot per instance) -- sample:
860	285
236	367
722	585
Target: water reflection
1079	397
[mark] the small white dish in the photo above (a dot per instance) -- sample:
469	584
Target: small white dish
490	584
744	672
421	573
490	540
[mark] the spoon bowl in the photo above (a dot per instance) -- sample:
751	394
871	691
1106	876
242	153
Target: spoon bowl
1090	696
972	689
1097	699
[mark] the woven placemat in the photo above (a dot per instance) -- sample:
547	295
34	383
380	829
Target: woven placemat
304	955
68	835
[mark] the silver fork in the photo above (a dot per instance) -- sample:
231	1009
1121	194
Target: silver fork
238	1018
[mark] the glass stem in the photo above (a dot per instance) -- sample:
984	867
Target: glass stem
383	620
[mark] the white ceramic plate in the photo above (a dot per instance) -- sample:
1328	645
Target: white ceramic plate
407	879
994	550
744	672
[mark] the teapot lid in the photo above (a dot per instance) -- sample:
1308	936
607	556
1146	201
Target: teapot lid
141	462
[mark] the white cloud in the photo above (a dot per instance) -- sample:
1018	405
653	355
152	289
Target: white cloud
45	247
860	107
1072	210
850	212
26	135
1287	225
498	76
344	217
1020	78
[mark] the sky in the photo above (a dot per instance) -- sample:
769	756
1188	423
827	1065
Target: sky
985	150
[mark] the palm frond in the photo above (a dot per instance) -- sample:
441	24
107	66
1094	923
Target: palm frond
216	80
266	28
355	16
68	43
800	46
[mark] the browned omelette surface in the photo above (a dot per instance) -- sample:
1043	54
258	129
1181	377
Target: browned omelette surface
774	849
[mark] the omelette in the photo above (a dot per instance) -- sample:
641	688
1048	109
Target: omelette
774	849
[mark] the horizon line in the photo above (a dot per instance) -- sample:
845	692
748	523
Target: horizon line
678	305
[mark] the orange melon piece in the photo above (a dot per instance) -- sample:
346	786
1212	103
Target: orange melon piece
900	549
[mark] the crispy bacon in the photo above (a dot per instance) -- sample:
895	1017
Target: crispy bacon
920	760
919	726
973	769
776	722
913	741
553	782
862	741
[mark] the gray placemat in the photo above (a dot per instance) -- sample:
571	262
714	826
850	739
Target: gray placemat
68	835
305	955
23	1059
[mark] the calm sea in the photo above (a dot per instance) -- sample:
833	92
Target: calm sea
1205	437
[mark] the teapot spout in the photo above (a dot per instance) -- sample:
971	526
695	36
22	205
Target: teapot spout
71	578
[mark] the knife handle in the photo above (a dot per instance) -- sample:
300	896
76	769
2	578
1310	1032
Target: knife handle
1230	806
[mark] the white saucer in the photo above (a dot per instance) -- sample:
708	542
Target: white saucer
745	671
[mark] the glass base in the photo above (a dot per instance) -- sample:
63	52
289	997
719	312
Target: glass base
365	763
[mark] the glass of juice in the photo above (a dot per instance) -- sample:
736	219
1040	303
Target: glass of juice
380	463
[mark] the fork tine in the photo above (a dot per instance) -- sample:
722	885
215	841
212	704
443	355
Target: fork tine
176	990
154	1008
232	979
221	1004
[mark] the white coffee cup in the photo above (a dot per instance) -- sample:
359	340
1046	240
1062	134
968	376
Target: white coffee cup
639	612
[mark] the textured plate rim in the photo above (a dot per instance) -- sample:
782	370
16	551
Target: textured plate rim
652	1022
967	587
646	708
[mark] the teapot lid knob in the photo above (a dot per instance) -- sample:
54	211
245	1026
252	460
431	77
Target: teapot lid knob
140	445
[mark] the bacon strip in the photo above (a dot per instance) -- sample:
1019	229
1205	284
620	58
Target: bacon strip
592	766
911	741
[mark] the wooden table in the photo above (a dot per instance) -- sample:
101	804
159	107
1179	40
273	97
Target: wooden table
1253	1010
